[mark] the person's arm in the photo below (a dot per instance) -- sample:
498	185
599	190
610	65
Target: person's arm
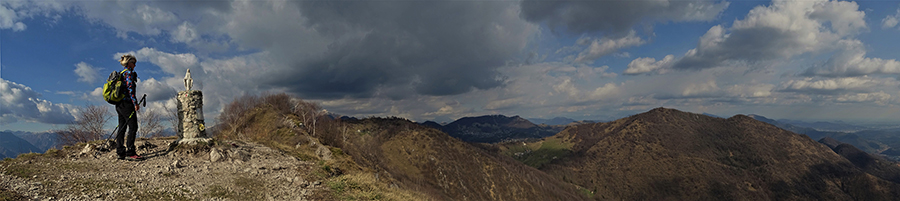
129	83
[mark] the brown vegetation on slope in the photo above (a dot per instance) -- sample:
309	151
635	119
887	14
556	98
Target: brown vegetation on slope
666	154
391	153
869	163
430	161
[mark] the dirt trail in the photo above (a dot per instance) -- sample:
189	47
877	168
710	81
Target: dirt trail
245	172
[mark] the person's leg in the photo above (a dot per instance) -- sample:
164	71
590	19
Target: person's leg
132	132
120	134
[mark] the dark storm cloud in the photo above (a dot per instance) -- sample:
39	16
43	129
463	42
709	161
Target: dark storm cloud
434	48
616	17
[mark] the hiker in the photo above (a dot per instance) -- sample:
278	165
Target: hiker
127	111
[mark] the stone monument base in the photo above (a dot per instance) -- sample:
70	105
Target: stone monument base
194	141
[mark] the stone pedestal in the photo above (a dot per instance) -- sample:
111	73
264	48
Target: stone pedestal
191	128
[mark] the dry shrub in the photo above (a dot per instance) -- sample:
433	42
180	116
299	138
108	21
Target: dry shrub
150	124
233	117
273	119
87	127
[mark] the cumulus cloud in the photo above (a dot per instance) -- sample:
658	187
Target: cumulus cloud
86	73
876	97
751	90
701	89
155	90
851	61
649	65
605	46
616	17
172	63
9	19
835	85
779	31
13	12
891	21
20	102
185	33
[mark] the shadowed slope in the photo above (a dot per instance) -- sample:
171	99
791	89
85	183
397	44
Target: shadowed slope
872	164
427	160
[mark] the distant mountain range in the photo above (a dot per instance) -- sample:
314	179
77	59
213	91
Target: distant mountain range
666	154
494	128
556	121
881	142
12	145
41	140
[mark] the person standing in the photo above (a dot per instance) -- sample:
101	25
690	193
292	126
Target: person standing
127	112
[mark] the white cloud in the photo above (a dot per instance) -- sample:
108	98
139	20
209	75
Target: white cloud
876	97
835	85
605	46
775	32
155	90
19	102
649	65
185	33
140	18
566	87
891	21
86	73
751	90
702	89
605	92
175	64
851	60
9	19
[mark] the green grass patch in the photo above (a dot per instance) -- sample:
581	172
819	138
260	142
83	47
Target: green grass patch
21	170
585	192
539	154
28	156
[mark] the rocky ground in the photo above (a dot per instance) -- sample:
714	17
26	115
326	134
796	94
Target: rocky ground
230	171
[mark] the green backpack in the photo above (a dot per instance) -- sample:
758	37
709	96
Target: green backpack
114	89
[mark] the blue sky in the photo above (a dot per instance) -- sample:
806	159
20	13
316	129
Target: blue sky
442	60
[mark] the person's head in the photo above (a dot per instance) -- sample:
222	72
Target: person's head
128	61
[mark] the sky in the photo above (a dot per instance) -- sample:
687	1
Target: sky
446	59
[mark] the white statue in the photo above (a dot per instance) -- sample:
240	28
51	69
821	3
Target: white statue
188	82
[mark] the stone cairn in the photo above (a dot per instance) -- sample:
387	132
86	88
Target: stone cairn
191	128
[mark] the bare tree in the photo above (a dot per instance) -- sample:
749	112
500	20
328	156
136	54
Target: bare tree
150	124
309	114
234	114
87	127
173	115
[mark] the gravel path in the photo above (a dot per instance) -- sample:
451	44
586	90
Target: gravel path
241	172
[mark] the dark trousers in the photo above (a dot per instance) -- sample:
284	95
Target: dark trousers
125	109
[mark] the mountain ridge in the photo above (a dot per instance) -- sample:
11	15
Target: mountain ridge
12	145
670	154
494	128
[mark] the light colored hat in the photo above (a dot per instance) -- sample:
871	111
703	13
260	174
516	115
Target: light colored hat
126	58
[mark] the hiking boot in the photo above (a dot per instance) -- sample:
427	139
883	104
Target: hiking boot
136	158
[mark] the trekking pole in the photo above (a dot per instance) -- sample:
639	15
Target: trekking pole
143	100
